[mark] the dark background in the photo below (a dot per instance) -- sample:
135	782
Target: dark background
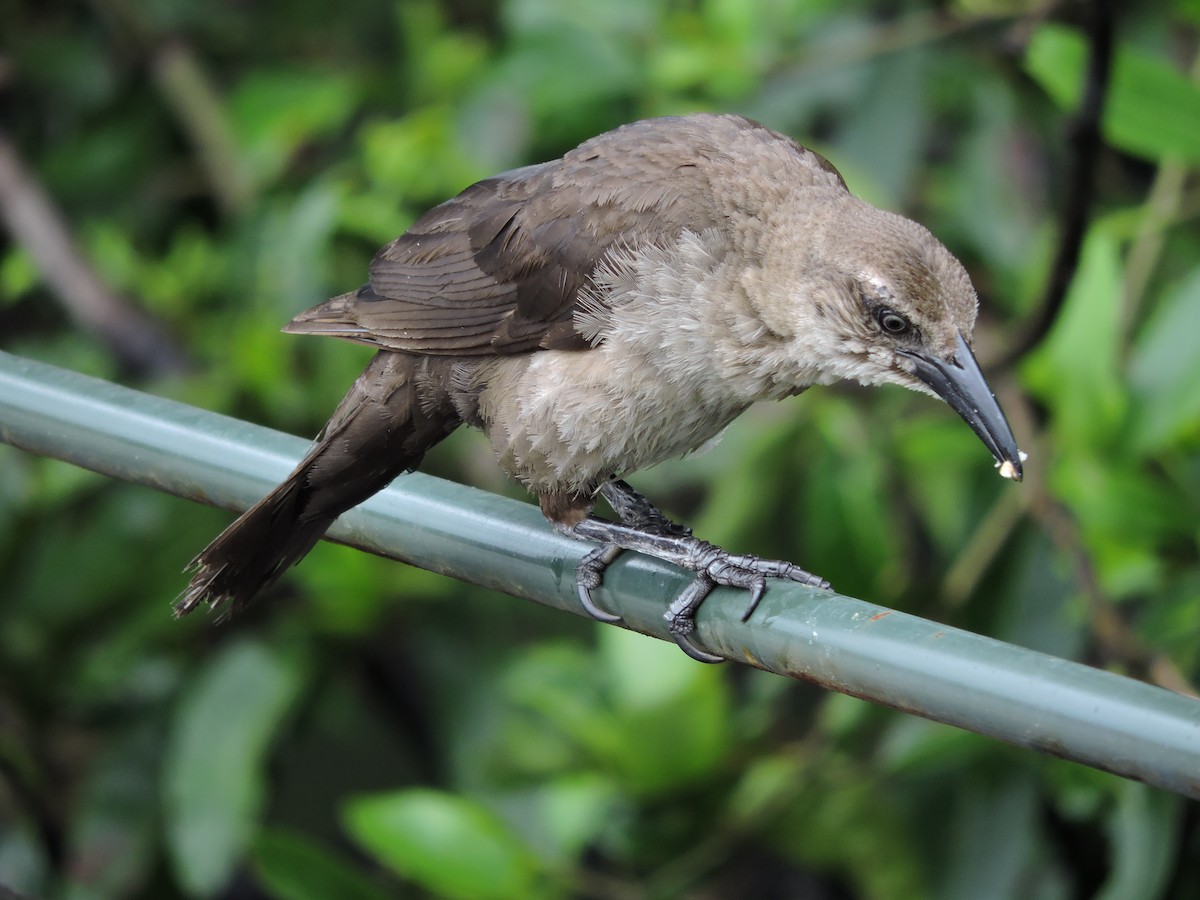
376	731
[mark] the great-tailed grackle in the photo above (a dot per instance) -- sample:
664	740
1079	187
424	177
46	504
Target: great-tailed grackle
605	311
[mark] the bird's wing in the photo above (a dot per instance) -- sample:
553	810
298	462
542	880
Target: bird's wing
500	268
497	269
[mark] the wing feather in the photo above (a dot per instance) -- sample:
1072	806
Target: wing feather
501	267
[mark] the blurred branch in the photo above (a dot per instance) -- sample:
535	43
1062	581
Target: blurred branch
1114	639
973	561
991	536
23	769
1085	138
910	31
1162	207
191	97
39	227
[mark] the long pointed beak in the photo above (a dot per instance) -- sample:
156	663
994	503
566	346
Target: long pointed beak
959	382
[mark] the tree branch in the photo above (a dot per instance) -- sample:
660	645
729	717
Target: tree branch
38	226
1085	139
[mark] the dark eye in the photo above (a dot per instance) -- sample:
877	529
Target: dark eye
891	321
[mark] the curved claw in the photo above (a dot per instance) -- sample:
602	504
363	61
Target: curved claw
756	595
692	649
588	576
589	606
681	618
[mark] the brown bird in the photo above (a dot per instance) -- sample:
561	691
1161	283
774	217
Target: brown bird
606	311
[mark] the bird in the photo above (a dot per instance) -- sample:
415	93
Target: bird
608	310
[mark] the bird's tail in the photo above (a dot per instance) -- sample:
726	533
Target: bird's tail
384	425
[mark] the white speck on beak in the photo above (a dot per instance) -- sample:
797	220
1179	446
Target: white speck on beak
1008	470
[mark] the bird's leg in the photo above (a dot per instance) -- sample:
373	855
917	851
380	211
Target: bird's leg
713	566
636	511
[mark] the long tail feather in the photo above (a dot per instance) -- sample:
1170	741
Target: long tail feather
380	430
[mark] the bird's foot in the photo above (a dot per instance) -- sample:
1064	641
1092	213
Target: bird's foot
713	566
588	577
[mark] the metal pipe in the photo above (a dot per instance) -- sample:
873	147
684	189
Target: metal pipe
945	674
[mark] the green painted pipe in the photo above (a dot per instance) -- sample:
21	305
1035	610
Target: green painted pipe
1016	695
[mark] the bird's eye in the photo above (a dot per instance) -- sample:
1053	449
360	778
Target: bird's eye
892	322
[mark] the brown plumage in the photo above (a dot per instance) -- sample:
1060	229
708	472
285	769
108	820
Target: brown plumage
499	268
379	430
602	312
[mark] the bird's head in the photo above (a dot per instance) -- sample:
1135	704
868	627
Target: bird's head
869	296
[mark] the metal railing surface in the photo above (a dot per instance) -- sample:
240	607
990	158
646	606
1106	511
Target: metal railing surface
1016	695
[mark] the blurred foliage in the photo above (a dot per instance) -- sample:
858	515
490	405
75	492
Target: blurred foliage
375	731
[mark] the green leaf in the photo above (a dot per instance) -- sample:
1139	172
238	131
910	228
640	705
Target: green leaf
560	817
294	255
449	845
850	529
294	867
1152	110
1124	516
672	716
1144	839
896	106
767	786
418	156
659	721
18	274
1076	369
275	112
837	816
563	721
1165	369
439	62
113	833
574	810
994	849
213	771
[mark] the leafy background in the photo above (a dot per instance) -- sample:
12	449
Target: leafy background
375	731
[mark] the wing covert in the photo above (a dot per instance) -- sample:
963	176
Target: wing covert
499	268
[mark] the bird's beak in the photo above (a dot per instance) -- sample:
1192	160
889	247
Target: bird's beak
959	382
